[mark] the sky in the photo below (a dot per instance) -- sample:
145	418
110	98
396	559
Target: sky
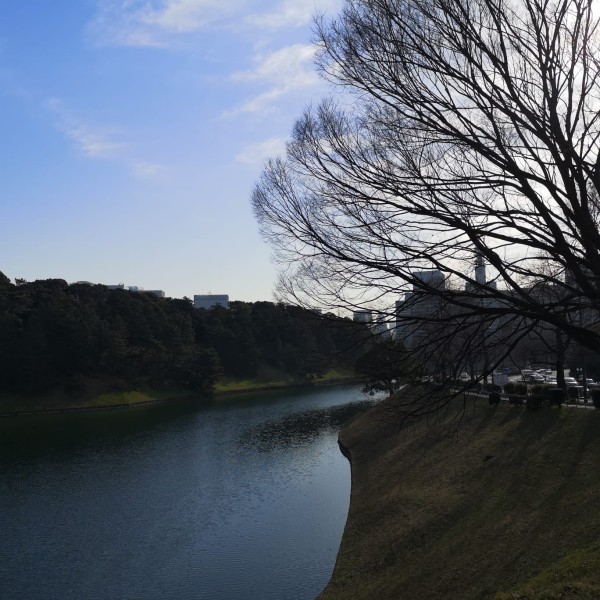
133	131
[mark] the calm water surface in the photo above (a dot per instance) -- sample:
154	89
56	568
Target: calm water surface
245	501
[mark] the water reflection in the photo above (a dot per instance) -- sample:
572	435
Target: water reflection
303	428
176	502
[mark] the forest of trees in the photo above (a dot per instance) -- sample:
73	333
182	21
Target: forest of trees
57	336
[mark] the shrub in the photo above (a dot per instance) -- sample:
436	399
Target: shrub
516	400
509	388
555	396
520	388
492	387
538	389
573	393
596	398
494	398
535	401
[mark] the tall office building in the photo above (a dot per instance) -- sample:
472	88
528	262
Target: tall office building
362	316
416	307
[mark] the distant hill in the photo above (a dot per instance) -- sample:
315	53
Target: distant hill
504	507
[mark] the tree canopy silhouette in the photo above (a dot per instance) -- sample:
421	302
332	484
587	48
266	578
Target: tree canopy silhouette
471	134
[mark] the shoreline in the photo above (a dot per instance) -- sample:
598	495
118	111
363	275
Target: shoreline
216	396
286	386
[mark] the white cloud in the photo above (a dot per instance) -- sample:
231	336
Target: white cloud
155	23
146	170
100	143
183	16
286	70
257	154
94	142
287	65
292	13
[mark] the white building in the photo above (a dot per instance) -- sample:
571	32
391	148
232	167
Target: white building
380	327
135	288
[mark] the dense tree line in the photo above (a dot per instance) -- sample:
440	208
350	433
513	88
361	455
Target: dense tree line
54	335
292	339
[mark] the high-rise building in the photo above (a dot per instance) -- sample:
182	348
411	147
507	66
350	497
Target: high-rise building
432	278
480	270
362	315
417	307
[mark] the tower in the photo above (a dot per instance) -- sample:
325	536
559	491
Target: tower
480	270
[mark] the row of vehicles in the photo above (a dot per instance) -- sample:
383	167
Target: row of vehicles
548	377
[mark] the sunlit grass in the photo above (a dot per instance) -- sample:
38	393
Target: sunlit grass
269	377
123	398
98	393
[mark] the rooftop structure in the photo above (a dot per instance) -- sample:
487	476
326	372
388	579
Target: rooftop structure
432	278
135	288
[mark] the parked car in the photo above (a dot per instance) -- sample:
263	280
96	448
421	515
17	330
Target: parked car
571	382
534	378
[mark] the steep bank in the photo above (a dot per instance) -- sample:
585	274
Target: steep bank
504	508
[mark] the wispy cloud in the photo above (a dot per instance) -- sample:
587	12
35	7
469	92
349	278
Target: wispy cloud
102	143
146	170
257	154
155	23
93	142
283	71
287	63
275	72
291	13
182	16
159	23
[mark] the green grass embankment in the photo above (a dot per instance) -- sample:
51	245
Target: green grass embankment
271	379
504	508
99	393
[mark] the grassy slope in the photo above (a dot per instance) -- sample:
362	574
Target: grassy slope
98	394
101	393
507	508
271	377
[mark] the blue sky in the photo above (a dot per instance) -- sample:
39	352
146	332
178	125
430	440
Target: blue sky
133	131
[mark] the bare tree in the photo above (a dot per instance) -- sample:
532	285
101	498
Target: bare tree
468	130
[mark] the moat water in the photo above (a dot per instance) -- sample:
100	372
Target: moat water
246	500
